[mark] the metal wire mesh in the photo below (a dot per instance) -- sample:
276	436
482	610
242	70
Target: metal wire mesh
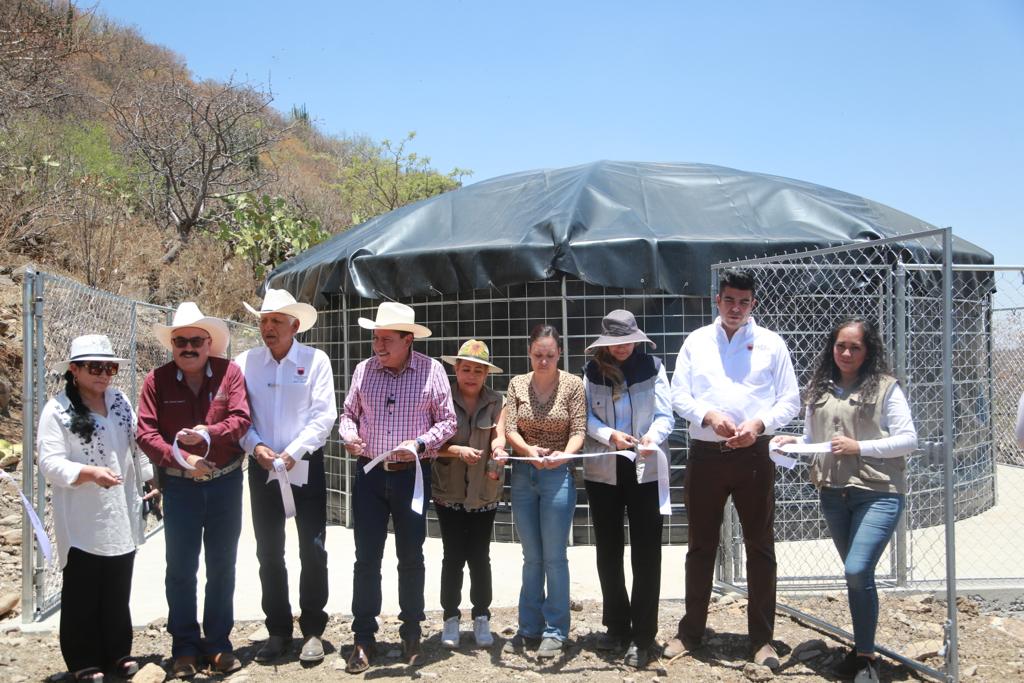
503	317
63	310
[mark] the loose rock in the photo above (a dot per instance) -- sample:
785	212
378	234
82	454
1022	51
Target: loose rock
7	603
756	672
151	673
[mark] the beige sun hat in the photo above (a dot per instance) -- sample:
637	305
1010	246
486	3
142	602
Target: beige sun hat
282	301
189	315
90	347
619	327
475	351
392	315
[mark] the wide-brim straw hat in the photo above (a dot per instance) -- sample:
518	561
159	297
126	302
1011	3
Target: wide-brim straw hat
282	301
189	315
395	316
90	347
474	351
619	327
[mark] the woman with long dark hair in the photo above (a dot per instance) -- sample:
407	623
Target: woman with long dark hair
629	406
546	417
853	403
87	453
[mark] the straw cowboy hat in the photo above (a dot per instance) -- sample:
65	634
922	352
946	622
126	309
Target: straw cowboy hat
90	347
395	316
282	301
619	327
189	315
474	351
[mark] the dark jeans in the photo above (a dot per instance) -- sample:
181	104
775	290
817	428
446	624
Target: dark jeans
206	515
95	620
376	498
635	620
268	524
466	537
861	523
748	475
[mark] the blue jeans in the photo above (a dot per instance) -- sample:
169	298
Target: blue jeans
543	502
861	523
376	498
205	515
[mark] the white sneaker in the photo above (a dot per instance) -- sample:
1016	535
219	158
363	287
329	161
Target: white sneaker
450	633
482	631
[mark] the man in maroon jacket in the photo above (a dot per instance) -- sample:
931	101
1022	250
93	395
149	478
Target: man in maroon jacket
192	413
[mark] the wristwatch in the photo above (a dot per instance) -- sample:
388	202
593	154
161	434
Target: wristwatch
421	446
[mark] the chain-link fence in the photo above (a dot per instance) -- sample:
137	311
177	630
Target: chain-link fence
56	310
954	340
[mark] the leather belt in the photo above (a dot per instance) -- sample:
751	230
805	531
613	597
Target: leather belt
722	448
388	466
219	472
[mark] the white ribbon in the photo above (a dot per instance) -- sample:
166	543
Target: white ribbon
664	503
287	499
782	456
417	492
176	452
37	526
569	456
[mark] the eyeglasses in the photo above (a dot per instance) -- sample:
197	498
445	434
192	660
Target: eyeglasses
96	367
182	342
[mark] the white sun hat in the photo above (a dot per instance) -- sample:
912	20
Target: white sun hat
282	301
189	315
90	347
395	316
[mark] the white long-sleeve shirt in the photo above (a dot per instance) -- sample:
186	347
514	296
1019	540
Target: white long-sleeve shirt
663	418
106	522
1020	422
292	403
896	420
746	377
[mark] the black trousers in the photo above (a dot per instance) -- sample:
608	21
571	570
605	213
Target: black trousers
95	617
634	615
466	538
748	475
268	525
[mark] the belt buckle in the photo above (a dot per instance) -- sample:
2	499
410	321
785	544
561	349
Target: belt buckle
203	477
390	466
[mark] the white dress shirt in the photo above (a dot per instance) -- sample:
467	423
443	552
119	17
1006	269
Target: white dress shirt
750	376
896	420
105	522
292	403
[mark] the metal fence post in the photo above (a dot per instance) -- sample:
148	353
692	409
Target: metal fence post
346	457
39	483
565	363
900	368
133	337
949	485
28	445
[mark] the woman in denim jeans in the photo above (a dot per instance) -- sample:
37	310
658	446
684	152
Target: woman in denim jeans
546	417
855	404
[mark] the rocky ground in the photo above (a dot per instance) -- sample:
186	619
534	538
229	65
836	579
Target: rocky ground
992	649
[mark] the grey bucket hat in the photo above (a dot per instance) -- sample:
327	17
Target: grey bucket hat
619	327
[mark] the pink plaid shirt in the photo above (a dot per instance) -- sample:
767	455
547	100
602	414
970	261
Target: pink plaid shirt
385	408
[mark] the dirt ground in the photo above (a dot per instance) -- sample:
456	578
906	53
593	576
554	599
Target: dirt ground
992	649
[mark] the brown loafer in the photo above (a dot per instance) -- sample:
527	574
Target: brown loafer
184	667
224	663
411	651
767	656
360	658
680	645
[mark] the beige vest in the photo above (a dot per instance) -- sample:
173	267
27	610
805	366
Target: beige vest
861	421
453	481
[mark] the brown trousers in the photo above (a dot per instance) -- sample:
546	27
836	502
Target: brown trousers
748	475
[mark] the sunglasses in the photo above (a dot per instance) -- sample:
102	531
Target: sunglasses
194	342
97	368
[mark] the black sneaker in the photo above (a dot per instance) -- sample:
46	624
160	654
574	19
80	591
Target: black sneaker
521	643
851	665
636	656
868	672
610	642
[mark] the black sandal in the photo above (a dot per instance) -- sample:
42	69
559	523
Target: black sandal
93	674
126	667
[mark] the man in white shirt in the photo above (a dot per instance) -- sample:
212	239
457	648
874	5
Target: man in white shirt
734	383
293	406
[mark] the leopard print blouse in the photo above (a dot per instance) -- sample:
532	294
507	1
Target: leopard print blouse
550	424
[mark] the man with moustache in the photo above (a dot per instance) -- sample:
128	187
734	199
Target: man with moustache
399	404
291	397
734	383
192	413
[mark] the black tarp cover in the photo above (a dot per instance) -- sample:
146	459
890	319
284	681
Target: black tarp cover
618	224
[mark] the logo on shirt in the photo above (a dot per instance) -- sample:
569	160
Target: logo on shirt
750	347
300	371
221	396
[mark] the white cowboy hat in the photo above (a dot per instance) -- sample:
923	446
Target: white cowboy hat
395	316
282	301
189	315
90	347
474	351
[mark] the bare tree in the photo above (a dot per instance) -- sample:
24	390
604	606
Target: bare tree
196	144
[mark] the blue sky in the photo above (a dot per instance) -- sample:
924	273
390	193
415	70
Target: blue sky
919	105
